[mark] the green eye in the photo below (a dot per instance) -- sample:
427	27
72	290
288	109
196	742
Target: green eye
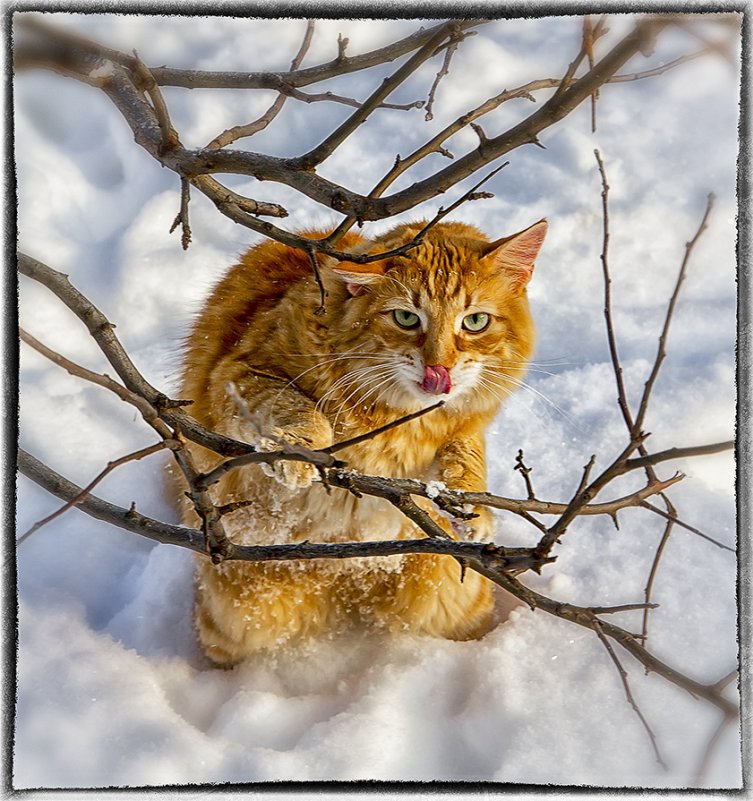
406	319
476	322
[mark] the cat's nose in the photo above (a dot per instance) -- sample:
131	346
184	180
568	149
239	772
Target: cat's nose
436	380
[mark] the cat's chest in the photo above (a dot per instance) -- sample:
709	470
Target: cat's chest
395	455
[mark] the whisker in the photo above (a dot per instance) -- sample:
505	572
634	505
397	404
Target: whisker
547	402
348	378
386	377
497	391
342	357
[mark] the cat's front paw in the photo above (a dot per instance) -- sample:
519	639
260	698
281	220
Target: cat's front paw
291	474
476	529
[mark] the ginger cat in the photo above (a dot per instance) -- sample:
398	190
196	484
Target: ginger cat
448	320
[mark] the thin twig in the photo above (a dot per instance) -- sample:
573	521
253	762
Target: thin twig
672	512
444	70
319	97
131	457
617	367
242	131
661	351
608	610
679	453
660	70
349	443
182	216
686	526
146	79
525	472
88	375
587	468
703	765
628	693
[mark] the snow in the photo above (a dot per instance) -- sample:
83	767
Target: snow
112	691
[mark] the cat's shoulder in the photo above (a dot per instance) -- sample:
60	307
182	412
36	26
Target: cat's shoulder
281	261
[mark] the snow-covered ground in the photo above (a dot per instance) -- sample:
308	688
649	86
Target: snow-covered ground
111	689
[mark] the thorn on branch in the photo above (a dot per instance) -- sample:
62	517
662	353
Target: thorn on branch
480	196
182	216
342	43
525	472
482	137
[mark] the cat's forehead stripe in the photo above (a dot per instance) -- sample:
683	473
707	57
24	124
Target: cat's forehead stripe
441	268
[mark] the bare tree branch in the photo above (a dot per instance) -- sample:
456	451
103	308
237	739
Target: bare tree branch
661	352
629	694
295	172
678	522
240	131
495	563
130	457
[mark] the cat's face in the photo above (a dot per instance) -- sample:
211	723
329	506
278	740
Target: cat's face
447	321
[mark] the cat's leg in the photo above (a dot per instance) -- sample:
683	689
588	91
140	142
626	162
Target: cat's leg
273	410
461	465
428	597
432	594
244	607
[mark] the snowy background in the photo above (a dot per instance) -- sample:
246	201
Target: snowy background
111	688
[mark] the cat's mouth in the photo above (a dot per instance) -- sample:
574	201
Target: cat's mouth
436	380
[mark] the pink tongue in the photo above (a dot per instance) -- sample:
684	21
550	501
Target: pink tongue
436	380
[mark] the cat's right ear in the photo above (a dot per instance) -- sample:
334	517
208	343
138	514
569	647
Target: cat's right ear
516	254
357	277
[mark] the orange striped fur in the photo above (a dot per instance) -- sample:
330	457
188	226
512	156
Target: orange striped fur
395	336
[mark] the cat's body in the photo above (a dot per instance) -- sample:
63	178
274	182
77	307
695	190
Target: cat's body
448	320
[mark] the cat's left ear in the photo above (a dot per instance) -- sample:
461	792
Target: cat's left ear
516	254
357	277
